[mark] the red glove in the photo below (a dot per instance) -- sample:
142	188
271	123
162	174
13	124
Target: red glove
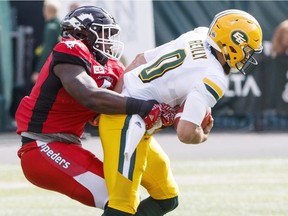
167	115
160	115
153	116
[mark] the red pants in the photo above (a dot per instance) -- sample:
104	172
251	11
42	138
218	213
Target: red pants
66	168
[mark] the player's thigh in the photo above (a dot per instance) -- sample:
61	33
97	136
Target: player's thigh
113	131
158	178
65	168
122	175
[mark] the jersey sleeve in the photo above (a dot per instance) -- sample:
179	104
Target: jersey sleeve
195	108
205	94
71	52
214	89
114	70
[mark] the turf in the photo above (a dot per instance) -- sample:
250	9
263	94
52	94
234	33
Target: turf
242	187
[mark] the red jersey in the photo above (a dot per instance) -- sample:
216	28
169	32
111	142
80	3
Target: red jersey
49	108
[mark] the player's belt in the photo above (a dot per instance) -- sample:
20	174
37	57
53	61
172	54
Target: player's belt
26	140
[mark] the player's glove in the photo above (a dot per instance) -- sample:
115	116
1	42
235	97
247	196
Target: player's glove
167	115
153	116
161	115
153	113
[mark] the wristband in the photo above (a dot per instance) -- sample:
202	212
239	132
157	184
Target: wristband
140	107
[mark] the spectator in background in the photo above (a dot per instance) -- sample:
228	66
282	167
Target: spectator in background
73	6
280	39
51	35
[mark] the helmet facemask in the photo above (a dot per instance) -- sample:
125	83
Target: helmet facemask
107	40
248	63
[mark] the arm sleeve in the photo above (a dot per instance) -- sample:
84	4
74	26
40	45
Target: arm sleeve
71	52
204	95
195	108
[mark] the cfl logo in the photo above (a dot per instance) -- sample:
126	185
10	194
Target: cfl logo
239	37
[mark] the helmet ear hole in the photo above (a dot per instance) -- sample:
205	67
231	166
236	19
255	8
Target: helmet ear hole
232	49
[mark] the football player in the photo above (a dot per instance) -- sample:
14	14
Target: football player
73	86
193	68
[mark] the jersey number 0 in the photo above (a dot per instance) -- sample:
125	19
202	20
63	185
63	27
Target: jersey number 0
162	65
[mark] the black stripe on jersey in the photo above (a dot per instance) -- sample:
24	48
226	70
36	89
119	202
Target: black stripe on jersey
45	101
64	58
213	92
132	166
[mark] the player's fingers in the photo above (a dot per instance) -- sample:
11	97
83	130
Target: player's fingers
209	126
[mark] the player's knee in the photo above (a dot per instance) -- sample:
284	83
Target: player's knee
168	205
164	164
153	207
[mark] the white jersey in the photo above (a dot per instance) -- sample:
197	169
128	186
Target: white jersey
175	71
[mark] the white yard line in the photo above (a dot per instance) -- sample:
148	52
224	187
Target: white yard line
14	185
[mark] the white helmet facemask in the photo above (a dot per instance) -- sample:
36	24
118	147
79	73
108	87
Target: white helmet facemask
108	40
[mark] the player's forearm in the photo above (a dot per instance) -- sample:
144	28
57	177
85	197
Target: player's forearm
119	85
108	102
105	101
139	60
83	88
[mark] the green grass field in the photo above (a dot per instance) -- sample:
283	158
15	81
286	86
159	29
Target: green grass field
242	187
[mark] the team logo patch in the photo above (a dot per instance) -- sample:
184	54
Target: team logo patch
239	37
98	70
71	44
138	124
76	23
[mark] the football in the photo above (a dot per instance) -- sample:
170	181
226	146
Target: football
207	117
178	115
204	123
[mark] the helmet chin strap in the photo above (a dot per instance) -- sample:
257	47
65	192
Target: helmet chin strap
102	59
226	66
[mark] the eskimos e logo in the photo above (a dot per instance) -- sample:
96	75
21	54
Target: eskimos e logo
239	37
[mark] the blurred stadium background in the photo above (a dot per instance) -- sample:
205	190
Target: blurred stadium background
257	102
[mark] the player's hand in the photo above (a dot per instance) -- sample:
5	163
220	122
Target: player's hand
160	115
209	126
153	116
167	114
